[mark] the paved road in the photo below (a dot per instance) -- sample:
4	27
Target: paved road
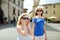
53	31
8	32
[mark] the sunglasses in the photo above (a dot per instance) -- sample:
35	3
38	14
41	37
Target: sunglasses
39	10
25	18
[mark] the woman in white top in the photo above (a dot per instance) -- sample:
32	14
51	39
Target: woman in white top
23	27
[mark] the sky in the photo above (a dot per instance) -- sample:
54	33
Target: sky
49	2
29	3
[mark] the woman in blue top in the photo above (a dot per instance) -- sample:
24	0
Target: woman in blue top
39	31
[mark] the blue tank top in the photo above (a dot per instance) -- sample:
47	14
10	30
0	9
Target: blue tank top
39	26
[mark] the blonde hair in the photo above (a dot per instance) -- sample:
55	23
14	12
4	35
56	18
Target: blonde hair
37	9
19	19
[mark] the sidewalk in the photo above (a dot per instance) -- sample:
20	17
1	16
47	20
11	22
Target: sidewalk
54	25
53	31
3	26
9	32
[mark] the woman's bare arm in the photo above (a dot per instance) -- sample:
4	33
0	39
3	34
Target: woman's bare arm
29	29
33	25
45	33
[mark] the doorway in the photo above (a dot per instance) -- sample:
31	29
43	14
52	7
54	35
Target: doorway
1	16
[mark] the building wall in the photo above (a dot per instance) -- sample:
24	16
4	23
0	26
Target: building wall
47	11
51	10
35	4
4	7
58	10
8	6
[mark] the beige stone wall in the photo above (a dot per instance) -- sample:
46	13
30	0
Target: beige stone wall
9	9
50	9
36	3
57	10
4	7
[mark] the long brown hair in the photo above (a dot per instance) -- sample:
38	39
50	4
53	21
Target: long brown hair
37	9
41	13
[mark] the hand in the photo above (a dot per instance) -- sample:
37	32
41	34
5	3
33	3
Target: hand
45	37
33	38
28	24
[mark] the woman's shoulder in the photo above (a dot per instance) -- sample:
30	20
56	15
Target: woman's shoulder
18	26
42	17
35	17
38	17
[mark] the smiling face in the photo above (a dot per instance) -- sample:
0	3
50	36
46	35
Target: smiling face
39	11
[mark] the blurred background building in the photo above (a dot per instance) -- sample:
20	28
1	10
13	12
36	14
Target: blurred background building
25	10
35	4
51	8
10	9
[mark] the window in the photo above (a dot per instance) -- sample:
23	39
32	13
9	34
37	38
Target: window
18	2
22	5
13	11
22	0
13	1
18	12
46	7
46	12
54	12
0	2
53	6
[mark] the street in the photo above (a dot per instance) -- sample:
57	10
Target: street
53	31
8	32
